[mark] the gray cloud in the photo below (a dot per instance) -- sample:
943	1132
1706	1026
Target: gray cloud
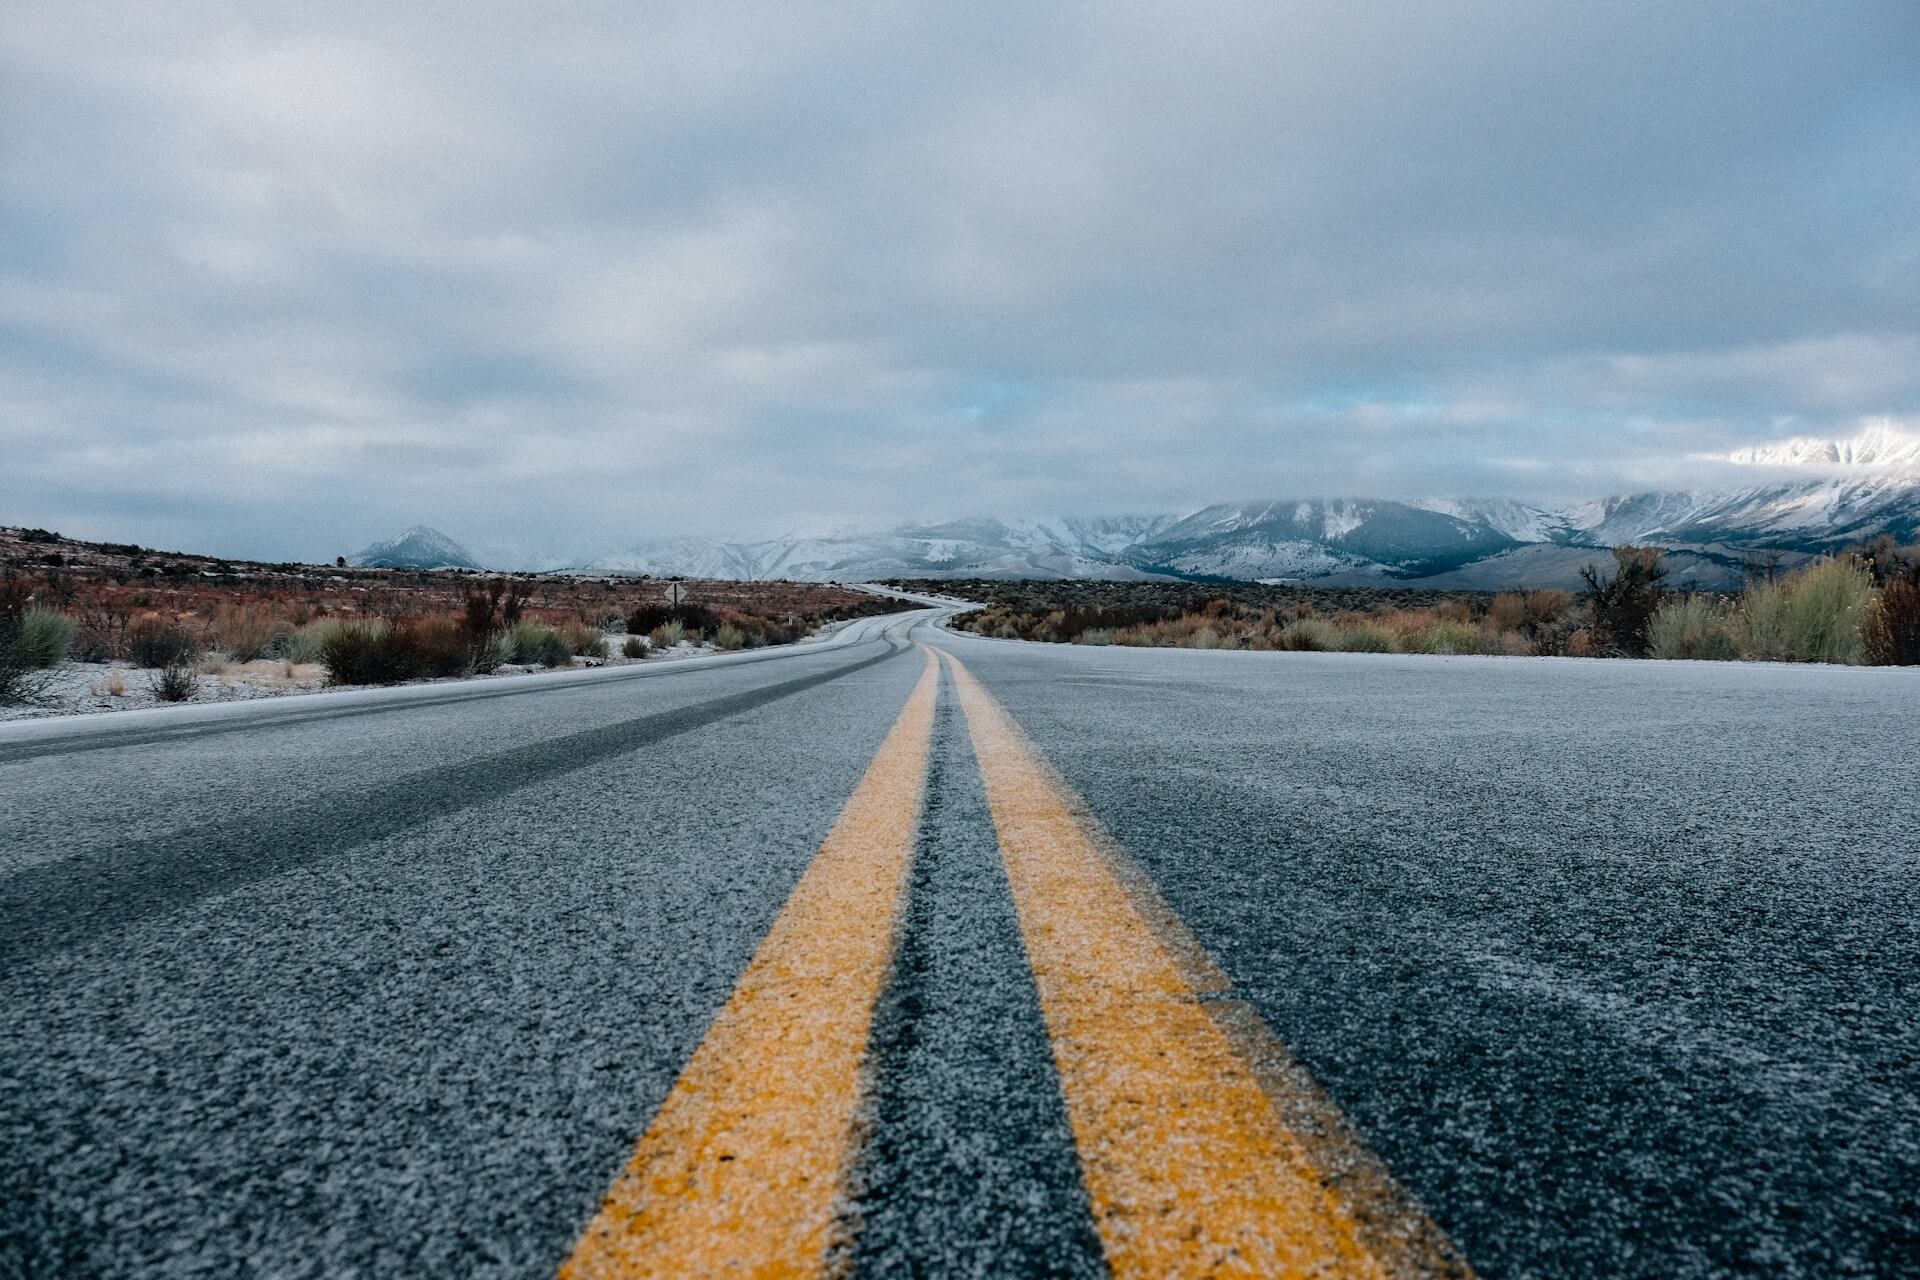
274	278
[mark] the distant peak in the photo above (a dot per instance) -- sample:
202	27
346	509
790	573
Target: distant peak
420	547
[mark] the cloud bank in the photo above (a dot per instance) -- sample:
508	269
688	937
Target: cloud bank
277	277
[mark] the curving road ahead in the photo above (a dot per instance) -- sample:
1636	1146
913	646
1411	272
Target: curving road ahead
920	954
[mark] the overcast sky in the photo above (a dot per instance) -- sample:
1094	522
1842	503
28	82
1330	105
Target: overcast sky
278	278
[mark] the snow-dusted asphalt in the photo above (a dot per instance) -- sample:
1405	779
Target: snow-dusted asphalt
1613	965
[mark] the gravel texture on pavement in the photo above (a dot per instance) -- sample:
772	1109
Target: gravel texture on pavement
417	1026
1612	964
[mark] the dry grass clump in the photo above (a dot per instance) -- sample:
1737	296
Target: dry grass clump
173	683
1308	635
582	640
1447	636
1366	636
247	631
307	643
1693	626
1822	614
634	647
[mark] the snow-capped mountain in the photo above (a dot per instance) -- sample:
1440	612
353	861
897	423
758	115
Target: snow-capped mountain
1043	548
1803	497
1881	447
1807	494
1313	539
417	548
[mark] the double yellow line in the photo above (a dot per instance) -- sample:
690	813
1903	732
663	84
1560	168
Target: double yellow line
1204	1149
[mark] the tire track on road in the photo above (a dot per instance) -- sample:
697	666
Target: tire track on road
63	904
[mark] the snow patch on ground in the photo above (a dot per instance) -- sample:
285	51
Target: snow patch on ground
85	688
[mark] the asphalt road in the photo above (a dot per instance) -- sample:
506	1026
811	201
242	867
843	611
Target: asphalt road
1610	969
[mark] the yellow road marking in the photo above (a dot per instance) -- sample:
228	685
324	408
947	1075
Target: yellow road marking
1189	1167
740	1170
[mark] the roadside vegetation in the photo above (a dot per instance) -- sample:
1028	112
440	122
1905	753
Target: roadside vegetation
191	626
1861	607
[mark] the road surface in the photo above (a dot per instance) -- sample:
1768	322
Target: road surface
923	954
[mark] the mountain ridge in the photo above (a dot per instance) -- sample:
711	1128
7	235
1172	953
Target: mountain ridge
1808	497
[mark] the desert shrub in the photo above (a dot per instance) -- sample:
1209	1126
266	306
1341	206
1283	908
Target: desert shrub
612	621
1204	638
1890	562
635	647
1624	605
538	644
1761	625
173	682
728	636
360	653
773	631
1894	634
691	617
430	647
100	636
644	618
1821	614
1309	635
153	641
41	638
492	652
20	679
245	632
554	651
1527	613
1691	627
1366	637
667	634
528	637
384	652
1832	604
1449	636
1095	636
1508	612
583	641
